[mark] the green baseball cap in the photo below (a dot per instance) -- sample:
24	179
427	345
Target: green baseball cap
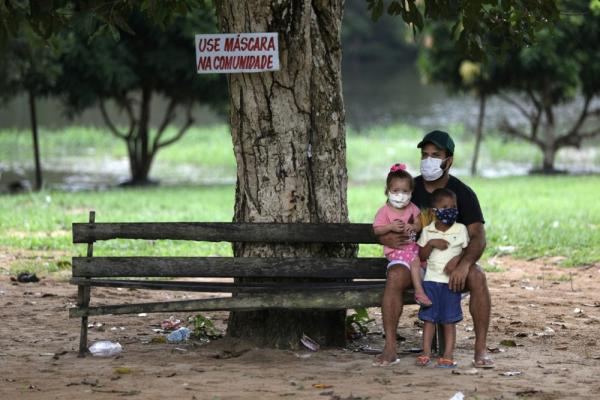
440	139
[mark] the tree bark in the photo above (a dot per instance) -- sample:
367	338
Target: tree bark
549	150
478	134
140	159
36	146
549	157
289	142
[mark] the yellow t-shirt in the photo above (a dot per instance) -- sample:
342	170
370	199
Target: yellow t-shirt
457	237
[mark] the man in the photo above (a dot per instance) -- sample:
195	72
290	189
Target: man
437	150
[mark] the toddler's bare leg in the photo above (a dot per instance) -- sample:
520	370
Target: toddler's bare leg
449	340
428	331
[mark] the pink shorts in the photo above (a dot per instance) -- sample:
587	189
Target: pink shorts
403	256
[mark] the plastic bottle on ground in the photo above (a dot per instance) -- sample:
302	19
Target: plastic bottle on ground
178	336
105	348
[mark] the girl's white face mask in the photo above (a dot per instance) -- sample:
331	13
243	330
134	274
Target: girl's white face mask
399	200
431	168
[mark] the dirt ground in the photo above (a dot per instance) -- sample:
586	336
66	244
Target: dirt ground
552	314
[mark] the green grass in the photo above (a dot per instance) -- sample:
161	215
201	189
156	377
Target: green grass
209	151
526	217
30	219
539	216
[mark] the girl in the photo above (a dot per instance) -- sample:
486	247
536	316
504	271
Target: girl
401	216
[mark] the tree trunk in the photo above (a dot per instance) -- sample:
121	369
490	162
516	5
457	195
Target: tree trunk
140	159
549	150
36	146
549	156
289	142
478	134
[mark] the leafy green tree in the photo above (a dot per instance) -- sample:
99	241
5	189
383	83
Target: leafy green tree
365	41
477	27
28	66
440	62
47	17
561	67
133	70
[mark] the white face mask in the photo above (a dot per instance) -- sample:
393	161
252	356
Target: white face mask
431	168
399	200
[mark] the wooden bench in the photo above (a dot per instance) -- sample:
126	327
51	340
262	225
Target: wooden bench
353	282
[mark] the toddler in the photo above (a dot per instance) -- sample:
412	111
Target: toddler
441	241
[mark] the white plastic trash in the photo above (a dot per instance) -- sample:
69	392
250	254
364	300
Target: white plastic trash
105	348
458	396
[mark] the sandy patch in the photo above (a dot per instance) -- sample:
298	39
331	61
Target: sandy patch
554	322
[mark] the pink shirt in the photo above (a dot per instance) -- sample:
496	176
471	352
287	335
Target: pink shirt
386	214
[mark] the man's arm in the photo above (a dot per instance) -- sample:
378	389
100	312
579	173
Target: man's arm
395	240
471	254
395	226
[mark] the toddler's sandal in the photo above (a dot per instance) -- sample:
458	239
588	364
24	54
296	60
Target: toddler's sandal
446	363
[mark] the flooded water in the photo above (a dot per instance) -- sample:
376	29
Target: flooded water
374	94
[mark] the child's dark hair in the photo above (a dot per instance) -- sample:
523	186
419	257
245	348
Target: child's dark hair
442	193
399	171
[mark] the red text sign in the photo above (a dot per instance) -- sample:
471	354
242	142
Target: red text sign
237	52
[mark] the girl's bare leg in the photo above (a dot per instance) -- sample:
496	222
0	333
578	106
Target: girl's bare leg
417	281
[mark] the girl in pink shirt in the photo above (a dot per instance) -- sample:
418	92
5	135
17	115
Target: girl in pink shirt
400	215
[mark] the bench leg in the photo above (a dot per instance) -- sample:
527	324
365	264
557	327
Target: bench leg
83	300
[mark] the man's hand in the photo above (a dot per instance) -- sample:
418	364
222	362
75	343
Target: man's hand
458	277
395	240
451	265
440	244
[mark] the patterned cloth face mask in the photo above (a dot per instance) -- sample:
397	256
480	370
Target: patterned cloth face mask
446	215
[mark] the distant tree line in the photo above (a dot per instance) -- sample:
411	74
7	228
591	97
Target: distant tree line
87	56
71	53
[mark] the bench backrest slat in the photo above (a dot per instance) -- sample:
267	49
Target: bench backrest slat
104	267
226	232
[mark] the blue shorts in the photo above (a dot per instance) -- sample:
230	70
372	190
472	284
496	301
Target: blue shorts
446	304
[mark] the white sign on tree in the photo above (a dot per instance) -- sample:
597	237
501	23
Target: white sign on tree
237	52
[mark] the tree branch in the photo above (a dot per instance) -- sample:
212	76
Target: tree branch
535	124
510	130
534	100
573	137
189	121
168	118
109	123
590	134
132	119
582	117
517	105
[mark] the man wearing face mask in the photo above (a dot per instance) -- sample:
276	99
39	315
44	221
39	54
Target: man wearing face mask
437	151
